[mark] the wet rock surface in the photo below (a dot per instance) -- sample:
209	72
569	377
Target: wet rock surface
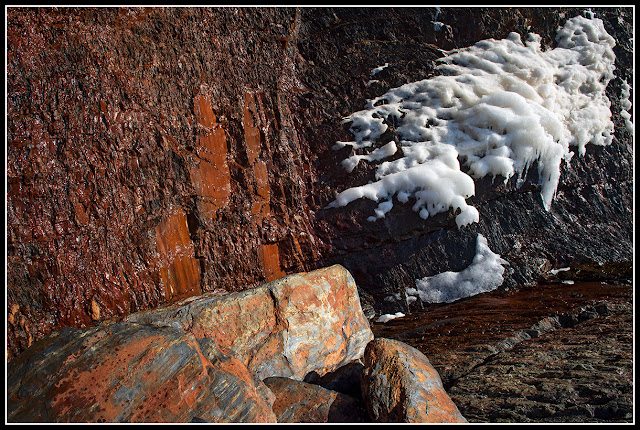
553	353
582	372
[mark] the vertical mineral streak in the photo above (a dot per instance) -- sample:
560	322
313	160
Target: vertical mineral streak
179	269
268	254
210	176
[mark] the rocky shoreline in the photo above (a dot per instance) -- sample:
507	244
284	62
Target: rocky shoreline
561	352
300	349
243	357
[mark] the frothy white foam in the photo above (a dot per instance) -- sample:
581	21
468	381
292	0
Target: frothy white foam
498	107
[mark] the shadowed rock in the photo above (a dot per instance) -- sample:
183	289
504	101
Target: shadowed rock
300	402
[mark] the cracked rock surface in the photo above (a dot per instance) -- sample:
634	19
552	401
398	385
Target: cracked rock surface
554	353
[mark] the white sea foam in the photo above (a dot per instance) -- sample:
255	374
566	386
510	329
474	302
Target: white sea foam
388	317
482	275
498	107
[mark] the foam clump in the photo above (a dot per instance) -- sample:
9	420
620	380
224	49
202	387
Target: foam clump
498	107
482	275
388	317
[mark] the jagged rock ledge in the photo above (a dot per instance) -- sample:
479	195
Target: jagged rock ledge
298	349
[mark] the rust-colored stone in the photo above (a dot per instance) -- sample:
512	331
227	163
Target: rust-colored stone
270	260
250	123
95	310
210	176
124	372
400	385
179	269
302	323
300	402
268	253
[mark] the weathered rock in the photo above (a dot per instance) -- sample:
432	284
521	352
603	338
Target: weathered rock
459	336
580	373
126	124
551	353
127	372
300	402
310	322
400	385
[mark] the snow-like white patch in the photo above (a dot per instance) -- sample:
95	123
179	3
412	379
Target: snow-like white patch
482	275
556	271
498	107
388	317
379	69
626	106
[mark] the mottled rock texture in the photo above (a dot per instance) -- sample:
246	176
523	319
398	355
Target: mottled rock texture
300	402
203	359
399	384
127	372
156	153
297	325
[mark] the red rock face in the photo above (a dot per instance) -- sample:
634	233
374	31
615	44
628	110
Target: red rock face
146	166
210	176
179	270
125	123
